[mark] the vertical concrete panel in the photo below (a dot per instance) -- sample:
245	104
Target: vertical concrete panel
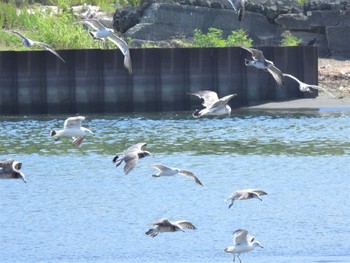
88	81
174	79
8	83
146	80
309	66
60	81
117	95
31	82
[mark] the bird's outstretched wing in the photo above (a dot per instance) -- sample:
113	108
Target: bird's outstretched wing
48	48
277	75
124	48
190	174
93	23
73	122
209	97
184	224
256	54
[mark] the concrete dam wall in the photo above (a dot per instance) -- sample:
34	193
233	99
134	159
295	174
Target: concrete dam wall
95	81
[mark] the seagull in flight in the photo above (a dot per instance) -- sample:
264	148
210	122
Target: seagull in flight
29	43
169	171
72	128
239	7
246	194
213	105
242	242
303	87
101	32
131	156
260	62
164	225
10	169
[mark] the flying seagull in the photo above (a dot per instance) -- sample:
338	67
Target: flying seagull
242	242
72	128
246	194
303	87
260	62
213	105
164	225
10	169
169	171
131	156
239	7
101	32
29	43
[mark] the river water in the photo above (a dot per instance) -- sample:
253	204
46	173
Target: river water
78	207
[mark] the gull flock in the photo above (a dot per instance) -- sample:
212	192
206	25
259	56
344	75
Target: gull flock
213	106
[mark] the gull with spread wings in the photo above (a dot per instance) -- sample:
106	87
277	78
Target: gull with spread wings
10	169
246	194
101	32
242	242
304	87
164	225
130	156
170	171
213	105
260	62
72	128
27	42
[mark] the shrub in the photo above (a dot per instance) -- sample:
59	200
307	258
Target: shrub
239	38
289	40
212	39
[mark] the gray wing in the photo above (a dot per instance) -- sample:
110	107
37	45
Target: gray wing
184	224
160	167
130	161
19	34
93	23
324	90
124	48
224	100
162	222
209	97
239	7
136	147
257	191
190	174
48	48
240	236
256	54
73	122
277	75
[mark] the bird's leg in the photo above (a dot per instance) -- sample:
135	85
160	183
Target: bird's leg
234	257
240	261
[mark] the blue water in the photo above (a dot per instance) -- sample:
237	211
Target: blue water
77	207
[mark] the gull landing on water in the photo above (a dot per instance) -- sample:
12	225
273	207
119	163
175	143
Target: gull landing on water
213	105
10	169
246	194
169	171
29	43
130	156
164	225
260	62
242	242
72	128
239	7
303	87
101	32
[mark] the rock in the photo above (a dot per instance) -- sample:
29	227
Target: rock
293	21
338	40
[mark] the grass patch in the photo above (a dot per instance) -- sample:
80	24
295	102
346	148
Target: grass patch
288	40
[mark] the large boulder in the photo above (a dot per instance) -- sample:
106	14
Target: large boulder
338	40
293	21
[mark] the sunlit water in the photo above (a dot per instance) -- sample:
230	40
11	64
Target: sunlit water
77	207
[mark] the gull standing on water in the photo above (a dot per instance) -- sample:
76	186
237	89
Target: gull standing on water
303	87
246	194
29	43
101	32
213	105
72	128
169	171
131	156
239	7
242	242
10	169
260	62
164	225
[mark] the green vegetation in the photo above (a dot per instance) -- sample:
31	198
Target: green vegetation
289	40
214	38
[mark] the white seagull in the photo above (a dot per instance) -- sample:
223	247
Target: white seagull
260	62
131	156
72	128
164	225
10	169
213	105
29	43
246	194
303	87
242	242
239	7
101	32
170	171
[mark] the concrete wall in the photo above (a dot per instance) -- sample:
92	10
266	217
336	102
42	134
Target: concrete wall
95	81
